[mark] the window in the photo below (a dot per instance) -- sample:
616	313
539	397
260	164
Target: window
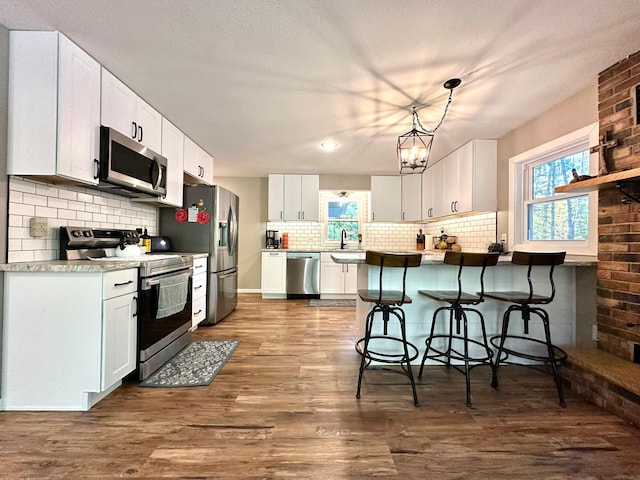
549	218
539	218
342	214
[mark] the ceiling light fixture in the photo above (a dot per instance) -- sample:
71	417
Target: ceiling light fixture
329	146
414	147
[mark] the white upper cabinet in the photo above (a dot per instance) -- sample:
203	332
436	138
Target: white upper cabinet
428	197
386	198
198	164
127	113
54	108
412	198
463	181
276	197
396	198
173	151
294	197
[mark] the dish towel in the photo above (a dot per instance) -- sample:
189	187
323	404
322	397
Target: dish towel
172	294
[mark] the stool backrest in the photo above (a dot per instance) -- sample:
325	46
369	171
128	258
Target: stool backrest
539	259
392	260
470	259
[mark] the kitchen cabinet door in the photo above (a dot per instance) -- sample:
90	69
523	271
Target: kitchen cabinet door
299	197
198	164
127	113
119	337
54	114
428	194
292	197
173	151
199	292
337	279
274	275
412	198
276	197
331	276
477	177
310	190
386	198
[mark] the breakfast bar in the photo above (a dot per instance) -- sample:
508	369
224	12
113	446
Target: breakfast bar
571	315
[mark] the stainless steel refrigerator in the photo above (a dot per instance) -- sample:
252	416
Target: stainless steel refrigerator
208	223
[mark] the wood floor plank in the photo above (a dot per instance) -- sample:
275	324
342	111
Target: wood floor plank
284	407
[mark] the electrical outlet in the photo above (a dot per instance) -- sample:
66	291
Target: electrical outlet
38	227
504	238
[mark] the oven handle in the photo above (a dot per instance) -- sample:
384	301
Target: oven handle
147	283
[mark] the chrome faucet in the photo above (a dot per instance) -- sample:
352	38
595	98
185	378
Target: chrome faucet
343	239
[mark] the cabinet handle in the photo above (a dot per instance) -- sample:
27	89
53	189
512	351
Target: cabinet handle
280	214
141	132
455	206
303	215
373	216
403	215
198	312
135	313
97	163
123	284
197	287
199	266
134	130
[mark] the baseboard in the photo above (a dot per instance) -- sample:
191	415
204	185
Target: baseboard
249	290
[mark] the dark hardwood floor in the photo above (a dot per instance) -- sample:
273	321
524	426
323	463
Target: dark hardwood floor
284	407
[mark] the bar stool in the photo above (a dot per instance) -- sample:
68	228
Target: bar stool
379	347
459	304
526	302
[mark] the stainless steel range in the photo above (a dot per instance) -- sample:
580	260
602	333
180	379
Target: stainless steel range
161	332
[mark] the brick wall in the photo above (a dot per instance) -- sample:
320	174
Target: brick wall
618	295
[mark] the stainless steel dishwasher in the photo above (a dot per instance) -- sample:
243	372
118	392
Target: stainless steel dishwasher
303	275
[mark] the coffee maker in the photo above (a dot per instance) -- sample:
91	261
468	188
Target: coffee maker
272	240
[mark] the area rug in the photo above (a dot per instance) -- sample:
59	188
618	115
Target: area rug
195	365
314	302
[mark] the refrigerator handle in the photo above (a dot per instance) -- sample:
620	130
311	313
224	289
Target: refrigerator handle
232	231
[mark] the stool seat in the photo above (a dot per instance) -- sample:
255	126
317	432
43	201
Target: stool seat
387	297
380	345
451	296
459	346
527	303
518	297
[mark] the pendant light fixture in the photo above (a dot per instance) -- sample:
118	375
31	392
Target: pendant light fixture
414	147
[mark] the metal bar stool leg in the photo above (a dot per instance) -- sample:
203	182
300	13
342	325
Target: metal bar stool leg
365	348
407	356
503	336
552	359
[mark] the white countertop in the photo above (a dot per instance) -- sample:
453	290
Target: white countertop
82	266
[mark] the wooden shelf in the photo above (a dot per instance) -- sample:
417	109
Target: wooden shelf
602	182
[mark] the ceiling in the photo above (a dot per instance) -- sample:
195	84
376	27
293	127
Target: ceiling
260	84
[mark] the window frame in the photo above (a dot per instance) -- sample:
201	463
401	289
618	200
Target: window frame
325	198
577	140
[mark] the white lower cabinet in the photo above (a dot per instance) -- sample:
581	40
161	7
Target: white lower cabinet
199	292
274	275
337	280
69	337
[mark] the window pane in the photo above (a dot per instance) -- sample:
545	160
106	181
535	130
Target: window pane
342	210
547	176
334	230
342	215
566	219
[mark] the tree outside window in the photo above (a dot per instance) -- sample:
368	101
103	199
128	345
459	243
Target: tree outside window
342	215
551	216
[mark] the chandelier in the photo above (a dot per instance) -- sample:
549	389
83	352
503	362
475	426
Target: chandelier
414	147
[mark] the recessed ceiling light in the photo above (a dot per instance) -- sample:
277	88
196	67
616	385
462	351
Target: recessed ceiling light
329	146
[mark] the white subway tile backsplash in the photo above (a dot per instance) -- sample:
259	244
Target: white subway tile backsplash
65	205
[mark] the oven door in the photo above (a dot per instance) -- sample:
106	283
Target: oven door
157	331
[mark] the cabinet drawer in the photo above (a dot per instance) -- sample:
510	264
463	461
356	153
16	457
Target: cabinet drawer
199	311
120	282
199	286
199	265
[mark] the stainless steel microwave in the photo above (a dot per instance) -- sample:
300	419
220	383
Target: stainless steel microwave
129	168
